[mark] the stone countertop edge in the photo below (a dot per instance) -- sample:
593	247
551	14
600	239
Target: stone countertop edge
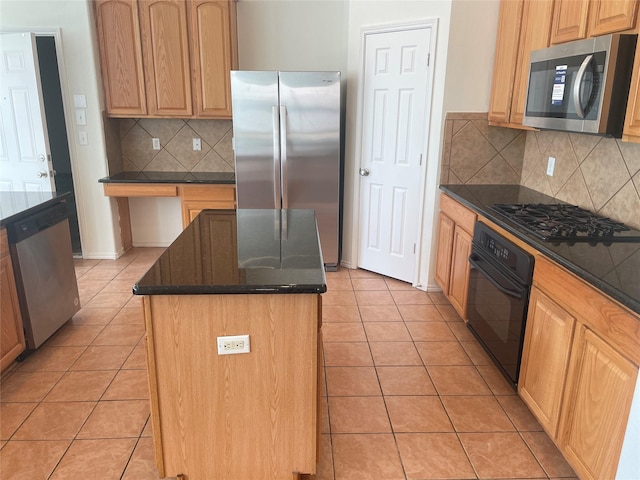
30	210
213	178
585	275
228	289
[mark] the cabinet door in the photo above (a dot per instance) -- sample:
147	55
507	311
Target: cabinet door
600	388
506	57
459	282
121	57
163	24
443	254
569	20
213	55
545	359
609	16
11	334
536	25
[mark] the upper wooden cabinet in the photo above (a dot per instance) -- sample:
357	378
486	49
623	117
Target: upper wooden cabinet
609	16
213	54
535	29
577	19
165	48
121	57
569	20
167	58
524	25
505	62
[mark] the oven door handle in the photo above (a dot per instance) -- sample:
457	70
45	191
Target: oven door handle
512	293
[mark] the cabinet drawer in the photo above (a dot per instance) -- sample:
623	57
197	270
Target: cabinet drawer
140	190
460	215
212	193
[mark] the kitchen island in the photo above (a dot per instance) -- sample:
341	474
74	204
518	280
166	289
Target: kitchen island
238	416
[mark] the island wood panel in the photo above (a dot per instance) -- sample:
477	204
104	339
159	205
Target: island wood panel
241	416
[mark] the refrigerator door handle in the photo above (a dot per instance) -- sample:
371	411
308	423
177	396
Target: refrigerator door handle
283	155
276	155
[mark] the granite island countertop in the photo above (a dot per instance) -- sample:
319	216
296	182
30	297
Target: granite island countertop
172	177
238	252
15	206
613	269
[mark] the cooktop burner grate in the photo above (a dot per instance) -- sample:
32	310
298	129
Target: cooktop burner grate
566	223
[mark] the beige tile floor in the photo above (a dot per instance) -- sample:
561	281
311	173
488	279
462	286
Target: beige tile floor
409	394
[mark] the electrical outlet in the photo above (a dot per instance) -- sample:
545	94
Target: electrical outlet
550	166
233	344
197	145
82	138
156	143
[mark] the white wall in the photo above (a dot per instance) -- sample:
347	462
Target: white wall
79	66
292	34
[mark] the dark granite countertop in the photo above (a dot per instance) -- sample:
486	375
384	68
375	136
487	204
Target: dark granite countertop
240	251
171	177
14	206
614	269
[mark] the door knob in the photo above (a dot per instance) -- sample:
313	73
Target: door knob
42	174
364	172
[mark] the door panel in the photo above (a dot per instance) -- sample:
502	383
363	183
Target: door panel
254	97
394	119
310	150
24	145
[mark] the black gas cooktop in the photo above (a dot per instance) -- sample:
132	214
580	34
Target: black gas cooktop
566	223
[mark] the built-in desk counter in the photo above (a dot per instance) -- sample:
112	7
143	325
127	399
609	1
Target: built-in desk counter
197	191
248	415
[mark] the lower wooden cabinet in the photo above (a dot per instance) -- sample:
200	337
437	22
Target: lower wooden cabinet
455	233
196	198
579	369
596	406
545	359
11	334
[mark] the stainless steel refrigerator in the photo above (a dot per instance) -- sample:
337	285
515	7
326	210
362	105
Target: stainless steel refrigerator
286	132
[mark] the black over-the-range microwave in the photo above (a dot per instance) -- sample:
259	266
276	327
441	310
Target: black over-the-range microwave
581	86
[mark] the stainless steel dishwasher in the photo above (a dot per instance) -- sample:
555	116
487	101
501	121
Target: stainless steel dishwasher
40	246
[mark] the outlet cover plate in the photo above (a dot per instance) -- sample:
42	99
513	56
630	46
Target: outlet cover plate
232	344
551	164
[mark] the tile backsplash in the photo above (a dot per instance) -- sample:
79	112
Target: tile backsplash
599	174
477	153
176	145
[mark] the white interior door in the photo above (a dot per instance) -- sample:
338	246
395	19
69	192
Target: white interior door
393	143
24	146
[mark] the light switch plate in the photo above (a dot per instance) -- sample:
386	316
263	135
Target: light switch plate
82	137
81	117
155	142
80	101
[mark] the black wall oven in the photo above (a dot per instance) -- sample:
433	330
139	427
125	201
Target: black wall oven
499	284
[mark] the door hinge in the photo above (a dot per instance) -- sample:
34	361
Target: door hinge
420	159
414	248
428	59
